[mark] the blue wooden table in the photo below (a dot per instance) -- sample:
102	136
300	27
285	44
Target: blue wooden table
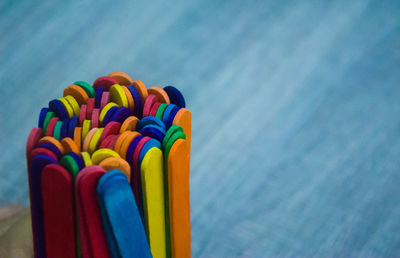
296	110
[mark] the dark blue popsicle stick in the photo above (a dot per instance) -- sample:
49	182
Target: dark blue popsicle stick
42	115
131	150
51	147
175	96
35	187
64	129
99	94
58	108
109	114
77	159
121	114
73	122
138	101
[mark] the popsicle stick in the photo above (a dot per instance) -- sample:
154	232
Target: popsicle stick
89	108
121	214
77	92
121	78
141	88
53	141
88	138
35	192
87	88
160	93
70	146
41	151
175	96
33	140
117	95
91	231
74	104
101	154
111	128
184	119
131	102
153	200
135	174
116	163
179	198
129	124
105	82
58	212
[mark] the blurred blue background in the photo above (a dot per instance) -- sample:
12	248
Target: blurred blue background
296	111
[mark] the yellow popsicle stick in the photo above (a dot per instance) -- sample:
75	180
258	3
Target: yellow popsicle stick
102	154
153	200
94	142
117	95
86	127
86	159
74	104
179	198
105	110
67	106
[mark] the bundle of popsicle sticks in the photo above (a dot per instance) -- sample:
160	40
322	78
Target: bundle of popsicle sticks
108	170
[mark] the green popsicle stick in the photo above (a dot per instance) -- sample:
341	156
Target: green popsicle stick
87	88
57	130
171	131
47	118
160	110
70	164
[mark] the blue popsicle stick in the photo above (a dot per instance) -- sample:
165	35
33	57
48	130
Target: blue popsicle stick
150	120
122	215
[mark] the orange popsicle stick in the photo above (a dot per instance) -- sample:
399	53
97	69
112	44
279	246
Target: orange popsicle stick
77	92
78	137
160	93
129	124
179	198
121	78
53	141
125	144
116	163
139	86
131	101
70	146
184	119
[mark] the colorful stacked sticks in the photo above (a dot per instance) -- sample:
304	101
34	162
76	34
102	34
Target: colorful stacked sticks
108	170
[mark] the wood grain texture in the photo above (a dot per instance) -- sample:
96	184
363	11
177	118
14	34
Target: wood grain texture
295	108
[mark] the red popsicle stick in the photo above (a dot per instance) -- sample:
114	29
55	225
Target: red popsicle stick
58	212
91	230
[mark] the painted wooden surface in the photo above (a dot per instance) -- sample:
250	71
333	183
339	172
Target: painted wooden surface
295	106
